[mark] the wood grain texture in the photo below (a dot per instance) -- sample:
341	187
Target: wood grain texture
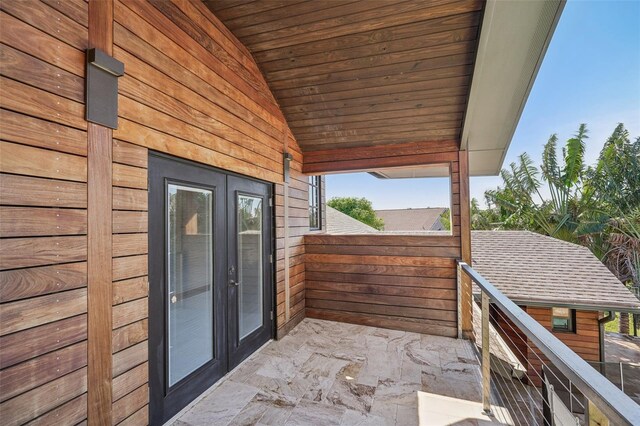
43	216
27	344
36	372
585	340
100	225
72	412
38	401
130	404
30	282
392	286
129	334
29	252
31	191
28	313
368	61
29	222
465	242
371	158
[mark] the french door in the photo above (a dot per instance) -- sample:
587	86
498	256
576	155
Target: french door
210	293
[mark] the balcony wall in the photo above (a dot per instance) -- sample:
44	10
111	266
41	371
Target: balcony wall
404	282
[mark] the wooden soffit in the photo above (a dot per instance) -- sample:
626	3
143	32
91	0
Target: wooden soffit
362	73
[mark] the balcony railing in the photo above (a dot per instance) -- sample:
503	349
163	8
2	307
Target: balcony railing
530	395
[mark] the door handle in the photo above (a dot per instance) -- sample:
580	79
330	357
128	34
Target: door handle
235	283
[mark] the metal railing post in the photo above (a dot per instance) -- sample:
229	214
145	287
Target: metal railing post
621	379
460	307
486	357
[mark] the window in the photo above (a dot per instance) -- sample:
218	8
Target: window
314	202
563	319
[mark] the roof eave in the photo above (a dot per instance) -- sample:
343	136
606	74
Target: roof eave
514	38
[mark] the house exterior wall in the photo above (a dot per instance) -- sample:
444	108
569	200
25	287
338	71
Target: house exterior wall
190	90
585	341
43	217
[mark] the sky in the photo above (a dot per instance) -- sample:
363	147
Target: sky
590	74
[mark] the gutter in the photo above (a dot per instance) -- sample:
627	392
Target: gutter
611	315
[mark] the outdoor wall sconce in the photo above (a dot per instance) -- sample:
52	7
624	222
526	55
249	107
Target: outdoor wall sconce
287	159
101	91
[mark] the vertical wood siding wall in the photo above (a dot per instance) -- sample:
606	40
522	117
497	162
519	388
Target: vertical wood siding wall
393	281
191	90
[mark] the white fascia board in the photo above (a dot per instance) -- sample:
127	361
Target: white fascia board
514	38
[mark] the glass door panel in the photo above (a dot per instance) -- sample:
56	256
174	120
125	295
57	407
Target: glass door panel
250	270
190	298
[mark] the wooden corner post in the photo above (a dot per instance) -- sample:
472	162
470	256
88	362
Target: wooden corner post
465	244
99	230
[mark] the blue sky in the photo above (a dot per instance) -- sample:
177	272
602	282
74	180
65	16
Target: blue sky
590	74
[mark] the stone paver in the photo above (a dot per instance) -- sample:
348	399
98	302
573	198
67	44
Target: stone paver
329	373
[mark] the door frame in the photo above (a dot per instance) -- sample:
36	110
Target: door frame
207	375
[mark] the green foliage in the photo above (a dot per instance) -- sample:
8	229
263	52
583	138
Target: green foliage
597	206
445	219
359	209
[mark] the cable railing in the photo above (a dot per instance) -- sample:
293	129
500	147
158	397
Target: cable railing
530	372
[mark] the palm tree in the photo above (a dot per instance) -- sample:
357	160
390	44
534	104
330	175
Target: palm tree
524	206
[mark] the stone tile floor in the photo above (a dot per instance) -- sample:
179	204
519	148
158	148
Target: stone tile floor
329	373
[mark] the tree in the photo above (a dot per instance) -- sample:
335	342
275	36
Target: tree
358	208
522	204
445	219
486	219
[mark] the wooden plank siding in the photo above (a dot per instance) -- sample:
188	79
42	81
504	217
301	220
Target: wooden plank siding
43	214
362	73
191	90
584	341
74	196
405	282
393	281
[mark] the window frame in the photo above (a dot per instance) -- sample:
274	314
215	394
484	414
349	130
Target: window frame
570	318
315	201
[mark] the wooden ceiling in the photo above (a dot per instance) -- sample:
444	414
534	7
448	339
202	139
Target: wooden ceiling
362	73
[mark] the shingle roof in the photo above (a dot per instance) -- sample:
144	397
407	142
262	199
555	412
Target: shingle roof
427	219
340	223
529	267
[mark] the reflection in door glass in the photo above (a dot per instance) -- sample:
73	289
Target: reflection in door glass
190	280
249	219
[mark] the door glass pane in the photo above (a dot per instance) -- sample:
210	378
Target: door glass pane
190	280
249	264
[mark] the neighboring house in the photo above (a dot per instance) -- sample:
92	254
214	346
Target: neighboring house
422	219
561	285
340	223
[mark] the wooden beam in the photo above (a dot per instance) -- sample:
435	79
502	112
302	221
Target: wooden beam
99	270
465	243
379	156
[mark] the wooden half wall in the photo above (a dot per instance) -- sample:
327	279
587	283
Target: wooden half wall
406	282
190	90
393	281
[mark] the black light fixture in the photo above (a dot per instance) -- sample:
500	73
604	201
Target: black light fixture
285	164
101	92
